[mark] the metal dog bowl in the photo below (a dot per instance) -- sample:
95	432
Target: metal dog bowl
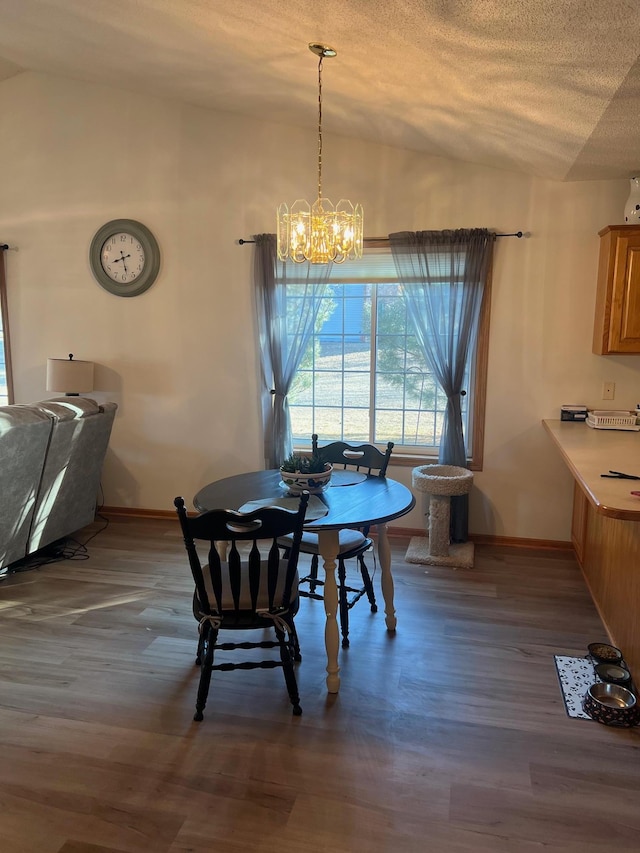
604	653
611	704
613	673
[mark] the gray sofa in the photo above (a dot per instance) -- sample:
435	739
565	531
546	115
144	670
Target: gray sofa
51	456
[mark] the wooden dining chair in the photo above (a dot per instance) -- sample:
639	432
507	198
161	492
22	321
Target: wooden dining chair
251	588
353	544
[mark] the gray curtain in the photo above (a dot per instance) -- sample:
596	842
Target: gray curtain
283	335
443	275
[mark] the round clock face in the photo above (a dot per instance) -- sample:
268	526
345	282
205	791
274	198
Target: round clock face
124	257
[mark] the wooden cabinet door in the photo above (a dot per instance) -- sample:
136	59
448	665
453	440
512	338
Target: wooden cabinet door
579	522
617	320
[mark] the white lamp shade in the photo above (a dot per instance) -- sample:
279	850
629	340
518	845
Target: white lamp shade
70	376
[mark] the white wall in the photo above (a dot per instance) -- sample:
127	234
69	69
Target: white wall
180	360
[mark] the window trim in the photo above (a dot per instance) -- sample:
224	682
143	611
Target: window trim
481	373
4	316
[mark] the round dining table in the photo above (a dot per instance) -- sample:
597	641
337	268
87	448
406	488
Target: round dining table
351	500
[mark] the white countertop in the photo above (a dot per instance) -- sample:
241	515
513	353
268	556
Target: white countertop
591	452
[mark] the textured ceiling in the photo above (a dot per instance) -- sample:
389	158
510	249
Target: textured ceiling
546	87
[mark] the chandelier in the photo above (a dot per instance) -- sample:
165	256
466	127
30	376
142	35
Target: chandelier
320	232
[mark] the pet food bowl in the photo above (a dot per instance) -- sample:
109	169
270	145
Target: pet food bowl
604	653
613	672
611	705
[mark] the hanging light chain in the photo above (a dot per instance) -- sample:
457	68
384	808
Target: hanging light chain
320	232
320	127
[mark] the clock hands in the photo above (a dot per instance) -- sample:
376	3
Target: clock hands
123	259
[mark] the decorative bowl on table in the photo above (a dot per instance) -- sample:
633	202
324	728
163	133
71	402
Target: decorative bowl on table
611	705
300	480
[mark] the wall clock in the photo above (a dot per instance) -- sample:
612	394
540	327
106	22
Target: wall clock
124	257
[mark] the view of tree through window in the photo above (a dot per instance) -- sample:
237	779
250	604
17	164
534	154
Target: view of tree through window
362	378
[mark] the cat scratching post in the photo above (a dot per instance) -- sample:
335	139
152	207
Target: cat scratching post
441	483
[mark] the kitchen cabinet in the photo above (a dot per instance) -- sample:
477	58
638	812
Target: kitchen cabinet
579	519
616	329
605	525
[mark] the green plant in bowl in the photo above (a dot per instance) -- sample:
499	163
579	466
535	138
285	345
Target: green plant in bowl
301	472
299	463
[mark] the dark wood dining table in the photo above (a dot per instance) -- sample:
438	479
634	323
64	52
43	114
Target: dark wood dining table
351	500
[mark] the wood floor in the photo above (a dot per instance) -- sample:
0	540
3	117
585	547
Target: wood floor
449	736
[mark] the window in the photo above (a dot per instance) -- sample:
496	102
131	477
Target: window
4	390
6	393
363	378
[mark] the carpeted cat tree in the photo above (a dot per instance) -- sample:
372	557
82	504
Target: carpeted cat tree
441	483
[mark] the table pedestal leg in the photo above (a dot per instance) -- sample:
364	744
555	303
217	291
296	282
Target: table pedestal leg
328	545
386	578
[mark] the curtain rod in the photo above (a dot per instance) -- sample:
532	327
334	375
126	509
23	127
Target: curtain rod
518	234
4	247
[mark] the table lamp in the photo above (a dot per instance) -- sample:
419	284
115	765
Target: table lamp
63	374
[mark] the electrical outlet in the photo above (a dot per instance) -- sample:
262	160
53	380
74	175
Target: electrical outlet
608	390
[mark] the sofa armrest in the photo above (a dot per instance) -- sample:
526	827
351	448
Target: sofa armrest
25	432
73	468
